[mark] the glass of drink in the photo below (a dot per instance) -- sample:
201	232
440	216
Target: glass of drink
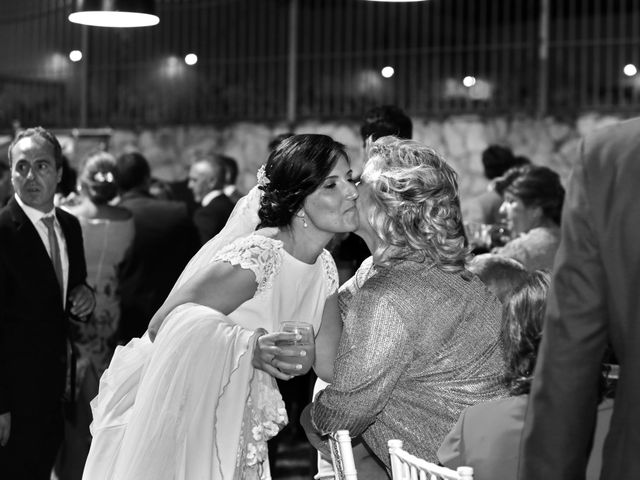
306	344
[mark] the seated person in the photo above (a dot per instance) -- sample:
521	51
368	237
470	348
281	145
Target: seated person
532	202
500	274
487	435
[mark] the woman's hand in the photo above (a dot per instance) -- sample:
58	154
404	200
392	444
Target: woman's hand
266	352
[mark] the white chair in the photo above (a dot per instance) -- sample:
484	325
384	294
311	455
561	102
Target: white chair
344	467
405	466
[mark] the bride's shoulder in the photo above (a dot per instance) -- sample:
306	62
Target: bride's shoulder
256	248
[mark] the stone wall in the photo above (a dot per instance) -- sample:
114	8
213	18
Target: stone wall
460	139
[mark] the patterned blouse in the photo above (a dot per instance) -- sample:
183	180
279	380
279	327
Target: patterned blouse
419	345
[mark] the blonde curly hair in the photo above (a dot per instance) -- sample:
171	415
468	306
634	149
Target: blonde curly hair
415	204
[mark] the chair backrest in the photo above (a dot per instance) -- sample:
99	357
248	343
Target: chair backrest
405	466
344	467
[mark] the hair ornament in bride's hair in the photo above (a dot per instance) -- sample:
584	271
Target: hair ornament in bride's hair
263	180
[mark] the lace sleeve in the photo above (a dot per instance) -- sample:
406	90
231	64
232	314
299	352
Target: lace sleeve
330	272
256	253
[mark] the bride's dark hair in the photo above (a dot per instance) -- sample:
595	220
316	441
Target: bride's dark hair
294	169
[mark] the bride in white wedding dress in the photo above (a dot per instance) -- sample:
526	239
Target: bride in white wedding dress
195	398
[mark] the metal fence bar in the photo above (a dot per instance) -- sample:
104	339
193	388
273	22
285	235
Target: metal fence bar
138	77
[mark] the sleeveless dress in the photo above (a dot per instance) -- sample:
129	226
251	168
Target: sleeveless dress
191	406
105	244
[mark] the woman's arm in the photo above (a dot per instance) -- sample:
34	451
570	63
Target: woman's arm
221	286
373	354
328	339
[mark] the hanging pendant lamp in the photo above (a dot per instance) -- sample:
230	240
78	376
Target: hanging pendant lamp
114	13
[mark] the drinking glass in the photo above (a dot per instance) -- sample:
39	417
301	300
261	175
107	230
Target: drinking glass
306	343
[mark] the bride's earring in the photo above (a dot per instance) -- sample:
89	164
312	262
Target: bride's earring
304	220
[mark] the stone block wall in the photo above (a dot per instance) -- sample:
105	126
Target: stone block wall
461	139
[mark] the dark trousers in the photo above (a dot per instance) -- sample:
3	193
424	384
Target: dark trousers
33	445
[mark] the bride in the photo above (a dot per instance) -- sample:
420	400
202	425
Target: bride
195	398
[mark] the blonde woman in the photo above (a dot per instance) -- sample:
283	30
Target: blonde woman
421	334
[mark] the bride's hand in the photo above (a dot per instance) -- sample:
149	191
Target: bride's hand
266	352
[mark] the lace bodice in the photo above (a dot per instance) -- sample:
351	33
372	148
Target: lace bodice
288	289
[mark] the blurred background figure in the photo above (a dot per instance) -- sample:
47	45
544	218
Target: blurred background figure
67	188
231	176
206	180
532	203
349	250
487	435
383	121
500	274
496	160
108	233
5	183
164	241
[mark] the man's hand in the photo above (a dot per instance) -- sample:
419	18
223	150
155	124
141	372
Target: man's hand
82	301
5	428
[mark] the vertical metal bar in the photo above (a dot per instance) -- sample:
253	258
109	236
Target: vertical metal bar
543	58
292	63
84	76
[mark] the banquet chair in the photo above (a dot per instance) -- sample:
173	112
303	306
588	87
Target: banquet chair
344	467
405	466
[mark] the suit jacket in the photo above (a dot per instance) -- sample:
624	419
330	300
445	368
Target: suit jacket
164	242
209	220
594	299
33	322
487	438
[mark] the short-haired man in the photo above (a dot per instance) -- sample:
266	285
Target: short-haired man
164	242
231	176
42	283
206	180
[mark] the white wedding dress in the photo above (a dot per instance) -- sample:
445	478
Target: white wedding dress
191	406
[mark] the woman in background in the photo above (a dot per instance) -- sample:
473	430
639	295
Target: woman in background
487	436
532	203
107	232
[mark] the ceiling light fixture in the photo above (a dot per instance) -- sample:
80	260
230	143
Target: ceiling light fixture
114	13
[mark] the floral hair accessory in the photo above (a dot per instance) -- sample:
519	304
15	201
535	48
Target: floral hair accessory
263	180
103	177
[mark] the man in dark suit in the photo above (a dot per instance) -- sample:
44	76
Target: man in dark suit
164	242
594	300
230	178
42	282
206	179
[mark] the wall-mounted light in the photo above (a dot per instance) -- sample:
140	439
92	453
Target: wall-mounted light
630	70
190	59
75	55
387	72
114	13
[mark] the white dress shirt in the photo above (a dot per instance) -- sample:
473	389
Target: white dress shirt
35	216
208	198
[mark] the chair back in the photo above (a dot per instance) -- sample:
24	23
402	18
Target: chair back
405	466
344	467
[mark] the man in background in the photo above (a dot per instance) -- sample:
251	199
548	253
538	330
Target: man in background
594	301
165	239
231	177
206	180
5	183
350	250
42	284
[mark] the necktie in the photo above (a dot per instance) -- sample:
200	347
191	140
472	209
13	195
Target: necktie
54	246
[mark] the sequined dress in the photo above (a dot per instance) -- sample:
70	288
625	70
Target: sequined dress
190	406
419	345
